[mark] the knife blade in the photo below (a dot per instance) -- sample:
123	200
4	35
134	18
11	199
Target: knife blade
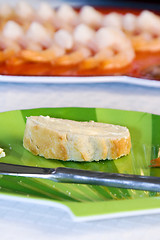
70	175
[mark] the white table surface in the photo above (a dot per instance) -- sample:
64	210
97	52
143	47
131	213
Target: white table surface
19	220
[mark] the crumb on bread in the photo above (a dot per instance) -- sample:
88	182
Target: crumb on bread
2	153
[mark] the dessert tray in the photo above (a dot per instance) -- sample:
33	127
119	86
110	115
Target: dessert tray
68	44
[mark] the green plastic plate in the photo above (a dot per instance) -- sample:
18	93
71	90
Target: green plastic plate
85	202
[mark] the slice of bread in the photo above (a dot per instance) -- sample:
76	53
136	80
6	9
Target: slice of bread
63	139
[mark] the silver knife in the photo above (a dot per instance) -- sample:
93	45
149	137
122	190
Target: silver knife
70	175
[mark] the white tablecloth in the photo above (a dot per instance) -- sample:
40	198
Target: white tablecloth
19	220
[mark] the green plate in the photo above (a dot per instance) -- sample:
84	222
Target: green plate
84	201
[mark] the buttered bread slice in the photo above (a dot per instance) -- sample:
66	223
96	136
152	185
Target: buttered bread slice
63	139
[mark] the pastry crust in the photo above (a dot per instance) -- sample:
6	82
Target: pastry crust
66	140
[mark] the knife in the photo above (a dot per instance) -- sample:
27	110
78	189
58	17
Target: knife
70	175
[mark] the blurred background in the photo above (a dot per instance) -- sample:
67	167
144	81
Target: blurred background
152	4
147	4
